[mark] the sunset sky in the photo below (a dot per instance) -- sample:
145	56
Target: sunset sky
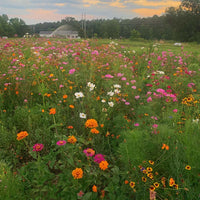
36	11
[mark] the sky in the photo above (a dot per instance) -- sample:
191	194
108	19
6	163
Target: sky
39	11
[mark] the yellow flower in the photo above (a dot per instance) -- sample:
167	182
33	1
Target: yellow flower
77	173
171	182
22	135
188	167
156	184
132	184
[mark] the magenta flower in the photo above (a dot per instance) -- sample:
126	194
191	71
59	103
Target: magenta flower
108	76
149	99
89	152
71	71
175	110
137	97
155	125
61	142
98	158
38	147
136	124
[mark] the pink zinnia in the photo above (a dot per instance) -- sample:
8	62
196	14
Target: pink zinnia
61	142
89	152
98	158
38	147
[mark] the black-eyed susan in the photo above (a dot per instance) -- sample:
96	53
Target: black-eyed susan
132	184
144	179
156	184
152	188
188	167
149	169
151	162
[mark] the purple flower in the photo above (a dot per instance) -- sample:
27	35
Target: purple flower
98	158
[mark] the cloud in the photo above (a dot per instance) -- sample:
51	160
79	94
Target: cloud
149	12
117	3
158	3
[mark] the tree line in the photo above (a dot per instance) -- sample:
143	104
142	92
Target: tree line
177	23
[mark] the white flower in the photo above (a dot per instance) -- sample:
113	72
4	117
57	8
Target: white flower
195	121
117	91
79	95
110	103
117	86
82	115
103	100
111	93
91	86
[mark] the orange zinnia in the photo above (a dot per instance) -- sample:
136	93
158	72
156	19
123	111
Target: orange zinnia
94	130
94	188
22	135
65	96
103	165
52	111
77	173
91	123
71	139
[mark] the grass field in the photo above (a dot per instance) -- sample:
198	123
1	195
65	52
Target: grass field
99	119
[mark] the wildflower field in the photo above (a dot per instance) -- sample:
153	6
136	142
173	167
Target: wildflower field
88	120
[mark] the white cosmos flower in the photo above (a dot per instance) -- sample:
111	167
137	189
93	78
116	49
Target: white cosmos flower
79	95
117	86
110	103
82	115
117	91
103	100
91	86
111	93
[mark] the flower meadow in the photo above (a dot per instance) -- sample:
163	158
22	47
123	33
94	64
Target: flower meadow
85	121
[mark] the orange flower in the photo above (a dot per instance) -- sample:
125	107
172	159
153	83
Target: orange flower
22	135
149	169
70	127
91	123
126	182
52	111
94	130
171	182
103	165
71	106
94	188
164	146
71	139
65	96
77	173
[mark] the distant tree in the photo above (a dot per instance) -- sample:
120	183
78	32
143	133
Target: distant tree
135	34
